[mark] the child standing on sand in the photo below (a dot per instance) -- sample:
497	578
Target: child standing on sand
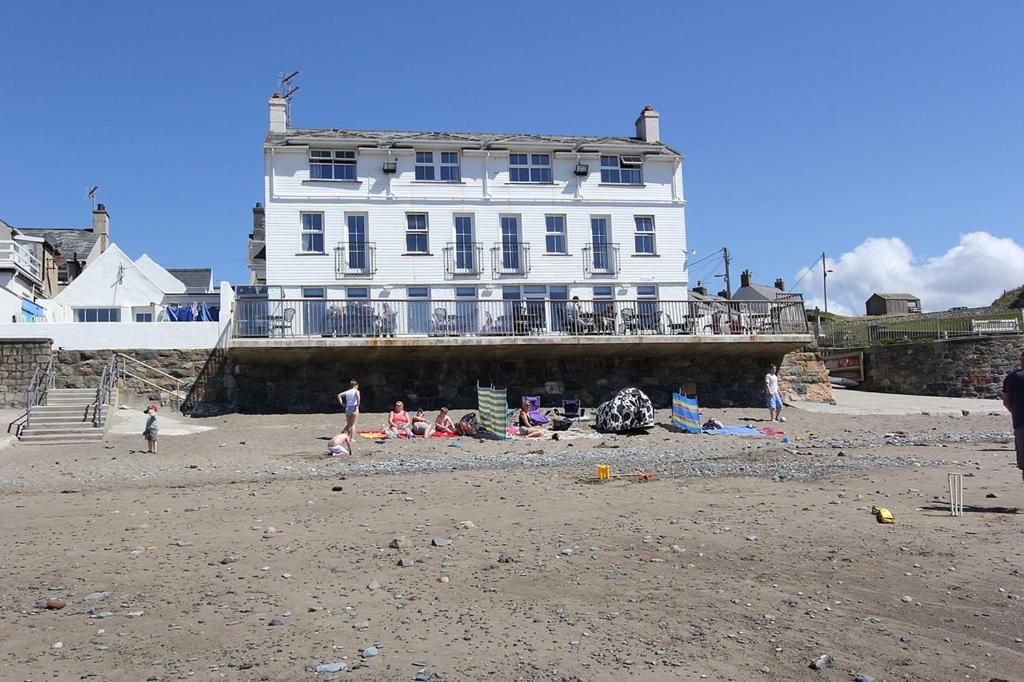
151	431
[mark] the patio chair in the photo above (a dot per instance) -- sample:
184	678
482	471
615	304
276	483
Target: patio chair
571	409
630	324
439	323
285	322
388	322
673	327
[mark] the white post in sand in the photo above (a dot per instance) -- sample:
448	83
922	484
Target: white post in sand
956	494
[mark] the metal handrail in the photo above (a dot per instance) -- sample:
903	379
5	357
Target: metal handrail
38	390
107	379
149	368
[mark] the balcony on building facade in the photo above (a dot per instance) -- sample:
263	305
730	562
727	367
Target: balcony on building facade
355	259
543	317
16	255
463	259
600	259
510	258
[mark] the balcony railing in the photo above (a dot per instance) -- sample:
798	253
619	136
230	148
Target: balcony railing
600	259
463	258
355	259
525	317
510	259
18	255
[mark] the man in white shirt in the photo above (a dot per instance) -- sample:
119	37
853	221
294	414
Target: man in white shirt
771	386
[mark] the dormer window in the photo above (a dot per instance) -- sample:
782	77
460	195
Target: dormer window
438	166
622	170
332	164
529	167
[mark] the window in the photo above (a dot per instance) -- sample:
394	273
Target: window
510	248
465	248
529	167
647	292
142	317
98	314
416	240
332	164
601	256
621	170
357	292
312	232
314	292
555	237
604	303
466	314
419	309
443	166
644	234
358	259
63	274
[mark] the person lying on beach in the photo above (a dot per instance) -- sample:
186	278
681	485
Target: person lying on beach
398	422
340	445
444	424
527	428
421	425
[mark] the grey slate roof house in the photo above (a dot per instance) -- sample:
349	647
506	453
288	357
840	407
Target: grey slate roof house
196	280
71	249
749	291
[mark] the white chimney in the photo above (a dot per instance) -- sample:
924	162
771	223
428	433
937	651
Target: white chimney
647	125
278	114
101	226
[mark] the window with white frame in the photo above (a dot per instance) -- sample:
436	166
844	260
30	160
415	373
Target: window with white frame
555	234
529	167
622	170
144	317
644	237
312	232
332	164
63	273
416	234
439	166
98	314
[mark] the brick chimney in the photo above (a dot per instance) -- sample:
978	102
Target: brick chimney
745	278
278	114
647	127
700	289
101	226
779	284
259	222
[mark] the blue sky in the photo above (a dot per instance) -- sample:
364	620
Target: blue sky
807	126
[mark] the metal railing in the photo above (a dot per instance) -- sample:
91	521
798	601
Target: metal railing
510	259
128	369
14	253
522	317
38	390
355	259
861	333
108	379
600	259
463	258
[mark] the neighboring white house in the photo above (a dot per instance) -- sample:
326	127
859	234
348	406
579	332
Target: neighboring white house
428	216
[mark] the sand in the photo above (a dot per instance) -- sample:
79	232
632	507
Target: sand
734	574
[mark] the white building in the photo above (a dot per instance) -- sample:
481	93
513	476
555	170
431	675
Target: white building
442	218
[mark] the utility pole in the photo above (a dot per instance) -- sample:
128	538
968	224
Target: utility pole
824	281
728	280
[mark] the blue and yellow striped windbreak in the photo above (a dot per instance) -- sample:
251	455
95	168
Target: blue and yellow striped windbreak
685	413
493	411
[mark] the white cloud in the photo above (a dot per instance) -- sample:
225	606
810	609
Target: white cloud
974	272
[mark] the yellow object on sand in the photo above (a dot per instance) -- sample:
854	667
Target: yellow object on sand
604	472
883	515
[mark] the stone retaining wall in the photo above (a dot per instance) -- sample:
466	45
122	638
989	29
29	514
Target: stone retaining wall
312	384
83	368
961	368
18	361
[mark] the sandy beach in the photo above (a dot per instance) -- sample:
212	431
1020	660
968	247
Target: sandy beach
242	552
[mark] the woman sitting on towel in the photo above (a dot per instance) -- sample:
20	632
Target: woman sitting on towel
444	424
398	422
420	424
527	428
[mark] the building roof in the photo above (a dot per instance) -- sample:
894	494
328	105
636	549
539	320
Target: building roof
398	138
193	278
67	241
753	292
898	297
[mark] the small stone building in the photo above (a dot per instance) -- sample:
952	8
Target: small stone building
892	304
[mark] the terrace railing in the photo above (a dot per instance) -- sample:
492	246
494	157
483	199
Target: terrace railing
510	259
861	333
524	317
355	259
14	254
600	259
463	258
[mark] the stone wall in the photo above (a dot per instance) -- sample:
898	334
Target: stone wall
962	368
18	361
83	368
802	376
310	383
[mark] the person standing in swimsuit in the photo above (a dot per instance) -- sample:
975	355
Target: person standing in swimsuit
350	401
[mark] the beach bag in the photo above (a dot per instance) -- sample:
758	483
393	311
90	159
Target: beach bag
560	424
629	410
468	425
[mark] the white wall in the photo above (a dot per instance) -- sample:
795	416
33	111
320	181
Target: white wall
386	202
115	335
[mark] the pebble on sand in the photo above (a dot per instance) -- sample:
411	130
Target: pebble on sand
370	652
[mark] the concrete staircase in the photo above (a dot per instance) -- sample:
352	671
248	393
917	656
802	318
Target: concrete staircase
66	418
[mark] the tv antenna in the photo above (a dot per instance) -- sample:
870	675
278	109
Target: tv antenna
91	195
287	90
